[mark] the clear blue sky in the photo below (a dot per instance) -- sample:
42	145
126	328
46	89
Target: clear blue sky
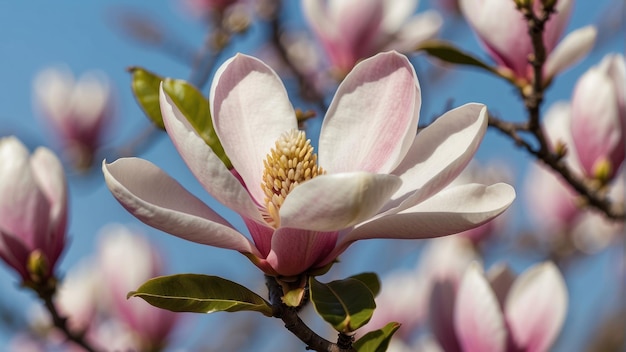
81	34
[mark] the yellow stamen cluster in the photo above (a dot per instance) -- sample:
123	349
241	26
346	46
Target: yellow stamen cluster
289	163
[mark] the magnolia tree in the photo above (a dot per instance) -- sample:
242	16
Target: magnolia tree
375	169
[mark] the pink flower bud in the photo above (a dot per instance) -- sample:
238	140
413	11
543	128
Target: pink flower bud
127	260
33	209
77	111
599	118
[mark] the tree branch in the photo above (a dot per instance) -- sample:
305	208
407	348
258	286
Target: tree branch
293	323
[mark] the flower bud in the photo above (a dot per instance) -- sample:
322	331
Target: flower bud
77	111
33	210
599	118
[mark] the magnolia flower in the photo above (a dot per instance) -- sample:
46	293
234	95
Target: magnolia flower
126	261
503	313
503	31
33	209
351	30
375	178
598	122
77	111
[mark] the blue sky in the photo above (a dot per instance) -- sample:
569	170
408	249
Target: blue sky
82	35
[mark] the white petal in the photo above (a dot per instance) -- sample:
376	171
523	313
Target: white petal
570	50
250	110
159	201
337	201
478	319
536	307
440	152
421	27
204	163
451	211
372	119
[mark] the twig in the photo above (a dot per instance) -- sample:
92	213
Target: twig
46	293
293	323
533	98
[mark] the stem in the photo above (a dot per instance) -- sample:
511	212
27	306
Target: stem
533	99
293	323
46	292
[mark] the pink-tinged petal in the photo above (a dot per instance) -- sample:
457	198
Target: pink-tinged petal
439	153
441	314
159	201
372	119
478	319
295	251
536	307
451	211
14	253
50	177
337	201
250	110
596	127
570	50
24	208
204	163
421	27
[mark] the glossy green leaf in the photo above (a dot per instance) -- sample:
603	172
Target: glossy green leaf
145	86
370	280
377	340
200	294
449	53
195	107
345	304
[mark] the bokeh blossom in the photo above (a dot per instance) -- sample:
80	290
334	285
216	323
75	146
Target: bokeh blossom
78	111
352	30
503	31
373	178
33	210
598	122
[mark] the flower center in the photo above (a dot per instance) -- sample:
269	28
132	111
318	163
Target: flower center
289	163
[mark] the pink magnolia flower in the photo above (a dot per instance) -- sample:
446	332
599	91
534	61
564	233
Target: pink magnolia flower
598	122
504	313
78	111
126	261
33	209
351	30
503	31
375	178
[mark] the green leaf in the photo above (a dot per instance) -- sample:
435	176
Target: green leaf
345	304
145	86
370	280
195	107
449	53
377	340
200	294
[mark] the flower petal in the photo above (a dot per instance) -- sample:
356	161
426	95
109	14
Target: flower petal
294	251
421	27
536	307
24	208
451	211
159	201
14	253
372	119
440	152
337	201
205	165
250	110
570	50
478	319
50	177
